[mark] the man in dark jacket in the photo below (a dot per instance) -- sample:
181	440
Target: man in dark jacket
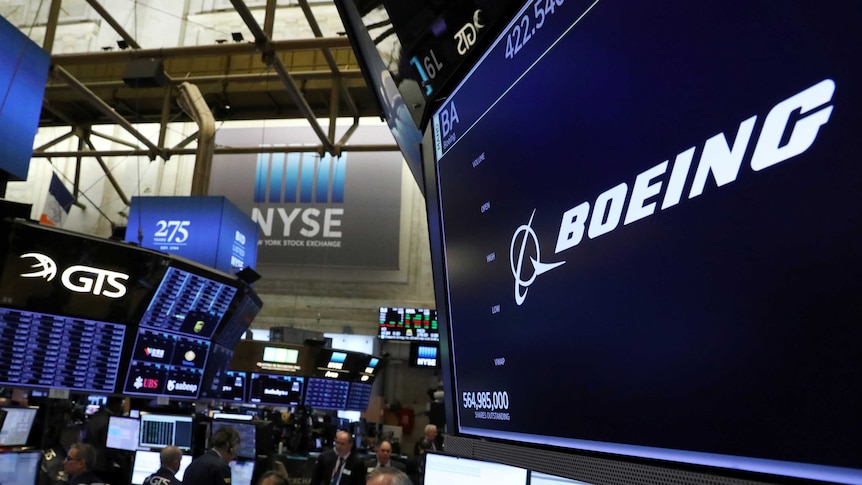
339	466
79	463
212	467
170	458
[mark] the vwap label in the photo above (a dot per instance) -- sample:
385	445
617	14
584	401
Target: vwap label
718	158
79	278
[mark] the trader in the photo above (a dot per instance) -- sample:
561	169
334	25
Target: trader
339	466
388	476
170	458
212	467
431	436
384	458
79	464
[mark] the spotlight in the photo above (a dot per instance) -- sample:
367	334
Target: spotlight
122	44
221	41
237	36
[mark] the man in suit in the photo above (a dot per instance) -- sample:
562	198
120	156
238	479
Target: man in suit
384	458
339	466
79	464
212	468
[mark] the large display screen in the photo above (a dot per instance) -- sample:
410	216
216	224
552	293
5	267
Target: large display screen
278	390
148	462
58	272
324	393
444	470
23	73
123	433
48	351
160	430
398	323
654	212
19	468
17	426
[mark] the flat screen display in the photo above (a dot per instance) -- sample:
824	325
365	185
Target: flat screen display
23	73
323	393
538	478
241	472
31	356
148	462
160	430
246	434
17	426
397	323
19	468
424	354
358	396
446	470
665	217
56	272
189	303
278	390
123	433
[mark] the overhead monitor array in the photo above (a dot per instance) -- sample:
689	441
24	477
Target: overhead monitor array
129	320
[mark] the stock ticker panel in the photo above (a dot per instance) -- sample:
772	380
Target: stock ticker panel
40	350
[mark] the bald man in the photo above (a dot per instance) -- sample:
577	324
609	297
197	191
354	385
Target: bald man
388	476
383	458
170	458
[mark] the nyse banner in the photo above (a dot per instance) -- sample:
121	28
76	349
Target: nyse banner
312	209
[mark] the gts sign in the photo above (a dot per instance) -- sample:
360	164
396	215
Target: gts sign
79	278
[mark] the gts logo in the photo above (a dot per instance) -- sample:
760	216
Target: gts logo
79	278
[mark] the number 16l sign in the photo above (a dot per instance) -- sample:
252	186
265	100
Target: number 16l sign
209	230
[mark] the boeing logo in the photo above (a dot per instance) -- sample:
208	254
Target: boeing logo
79	278
803	114
517	252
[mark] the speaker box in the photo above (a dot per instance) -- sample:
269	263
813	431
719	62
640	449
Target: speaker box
145	73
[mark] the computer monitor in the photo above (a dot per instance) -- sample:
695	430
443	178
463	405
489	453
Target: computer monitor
241	472
445	470
538	478
160	430
123	433
147	462
19	468
16	427
247	434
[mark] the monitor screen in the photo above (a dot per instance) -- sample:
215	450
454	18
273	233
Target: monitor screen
232	417
643	224
538	478
445	470
398	323
358	396
246	436
160	430
30	344
123	433
277	390
148	462
424	354
17	426
241	472
51	271
19	468
323	393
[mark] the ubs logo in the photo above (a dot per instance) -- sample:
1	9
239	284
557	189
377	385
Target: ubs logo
79	278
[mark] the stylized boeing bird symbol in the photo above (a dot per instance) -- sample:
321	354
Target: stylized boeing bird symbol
517	263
